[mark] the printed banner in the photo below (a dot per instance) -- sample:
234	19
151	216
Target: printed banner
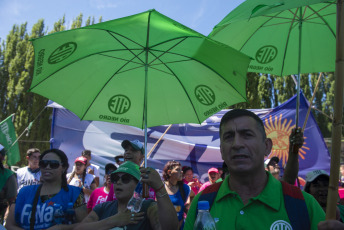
191	144
7	138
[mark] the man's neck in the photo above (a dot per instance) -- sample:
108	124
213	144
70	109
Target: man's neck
248	186
33	167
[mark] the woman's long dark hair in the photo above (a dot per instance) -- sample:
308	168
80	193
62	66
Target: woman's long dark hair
65	164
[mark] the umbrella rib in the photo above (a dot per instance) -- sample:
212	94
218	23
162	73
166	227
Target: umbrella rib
321	17
201	64
287	42
255	32
167	51
173	74
125	45
103	88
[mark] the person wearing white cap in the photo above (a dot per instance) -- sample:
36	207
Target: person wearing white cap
317	182
133	151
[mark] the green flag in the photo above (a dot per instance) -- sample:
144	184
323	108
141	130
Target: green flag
7	138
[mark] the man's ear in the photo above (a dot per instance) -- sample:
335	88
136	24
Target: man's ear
268	146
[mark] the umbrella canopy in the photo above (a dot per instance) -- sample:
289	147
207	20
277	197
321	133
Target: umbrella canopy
282	36
143	70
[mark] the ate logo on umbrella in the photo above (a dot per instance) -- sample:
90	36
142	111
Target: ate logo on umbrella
62	52
205	95
266	54
119	104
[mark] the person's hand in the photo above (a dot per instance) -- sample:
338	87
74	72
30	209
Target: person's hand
330	225
127	217
90	171
151	177
295	140
192	184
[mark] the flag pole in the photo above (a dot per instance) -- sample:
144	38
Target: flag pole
310	103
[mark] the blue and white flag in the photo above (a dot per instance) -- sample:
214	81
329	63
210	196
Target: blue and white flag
191	144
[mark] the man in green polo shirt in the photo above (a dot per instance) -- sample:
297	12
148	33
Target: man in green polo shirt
250	197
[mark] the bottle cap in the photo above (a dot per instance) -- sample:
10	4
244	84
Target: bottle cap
70	205
203	205
57	205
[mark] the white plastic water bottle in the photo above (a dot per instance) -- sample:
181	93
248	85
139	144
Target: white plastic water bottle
58	214
135	202
204	221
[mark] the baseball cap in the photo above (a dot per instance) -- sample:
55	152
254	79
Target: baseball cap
215	170
119	158
108	167
136	144
312	175
130	168
267	162
81	160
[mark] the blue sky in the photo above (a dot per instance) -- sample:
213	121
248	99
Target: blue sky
200	15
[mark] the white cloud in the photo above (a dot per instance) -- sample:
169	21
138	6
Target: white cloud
103	4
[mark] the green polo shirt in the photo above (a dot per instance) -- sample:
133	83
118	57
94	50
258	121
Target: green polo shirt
265	211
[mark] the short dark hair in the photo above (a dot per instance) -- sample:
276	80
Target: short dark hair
234	113
86	152
307	187
186	168
29	152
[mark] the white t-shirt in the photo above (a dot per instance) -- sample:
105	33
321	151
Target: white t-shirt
95	169
25	177
77	182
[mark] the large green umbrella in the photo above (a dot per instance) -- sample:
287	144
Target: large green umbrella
284	37
143	70
293	37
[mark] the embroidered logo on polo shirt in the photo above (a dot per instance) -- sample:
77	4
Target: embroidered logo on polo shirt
280	225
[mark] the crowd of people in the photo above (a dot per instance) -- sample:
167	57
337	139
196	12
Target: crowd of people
246	192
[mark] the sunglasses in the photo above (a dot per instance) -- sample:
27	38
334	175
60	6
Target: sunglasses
125	178
54	164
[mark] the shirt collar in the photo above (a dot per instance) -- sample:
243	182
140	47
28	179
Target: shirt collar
270	196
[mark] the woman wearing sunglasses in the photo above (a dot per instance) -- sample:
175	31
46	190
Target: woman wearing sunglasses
40	199
155	215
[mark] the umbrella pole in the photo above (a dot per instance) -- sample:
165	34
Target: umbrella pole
338	116
299	71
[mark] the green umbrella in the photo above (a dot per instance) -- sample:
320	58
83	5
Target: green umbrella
143	70
284	37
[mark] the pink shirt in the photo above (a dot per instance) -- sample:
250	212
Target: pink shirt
206	184
98	196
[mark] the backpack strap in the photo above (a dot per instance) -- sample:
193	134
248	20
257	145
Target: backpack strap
296	207
209	194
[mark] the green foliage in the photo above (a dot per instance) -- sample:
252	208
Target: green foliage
16	71
17	66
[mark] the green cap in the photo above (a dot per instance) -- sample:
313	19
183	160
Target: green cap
130	168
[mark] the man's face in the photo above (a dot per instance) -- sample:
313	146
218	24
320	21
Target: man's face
319	189
242	146
213	177
33	160
133	155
